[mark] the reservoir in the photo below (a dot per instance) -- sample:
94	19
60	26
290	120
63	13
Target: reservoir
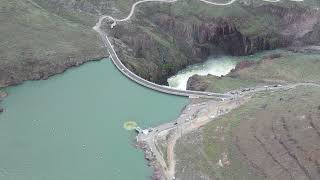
70	127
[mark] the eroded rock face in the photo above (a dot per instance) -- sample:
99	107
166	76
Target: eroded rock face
158	43
242	65
197	83
213	35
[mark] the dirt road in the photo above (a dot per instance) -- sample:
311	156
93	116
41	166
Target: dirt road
193	117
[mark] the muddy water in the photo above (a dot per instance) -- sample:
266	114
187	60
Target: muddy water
70	127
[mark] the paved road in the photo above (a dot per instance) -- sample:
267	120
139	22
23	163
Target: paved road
236	94
186	117
189	114
165	89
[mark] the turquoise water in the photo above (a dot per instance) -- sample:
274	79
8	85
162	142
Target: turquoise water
70	127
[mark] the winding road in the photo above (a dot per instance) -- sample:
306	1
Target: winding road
165	89
190	120
122	68
184	122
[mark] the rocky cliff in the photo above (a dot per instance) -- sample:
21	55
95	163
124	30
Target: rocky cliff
43	38
161	40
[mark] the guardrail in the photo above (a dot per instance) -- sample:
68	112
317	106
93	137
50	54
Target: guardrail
164	89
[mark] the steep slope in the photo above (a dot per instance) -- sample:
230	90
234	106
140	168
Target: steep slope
273	136
163	38
278	68
36	43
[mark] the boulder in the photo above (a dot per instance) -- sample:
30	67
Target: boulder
3	95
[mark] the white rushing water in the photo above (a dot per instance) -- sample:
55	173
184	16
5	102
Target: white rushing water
217	66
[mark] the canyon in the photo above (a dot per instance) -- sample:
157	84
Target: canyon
162	39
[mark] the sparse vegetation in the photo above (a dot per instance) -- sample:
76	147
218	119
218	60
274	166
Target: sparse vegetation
168	67
288	68
245	142
36	43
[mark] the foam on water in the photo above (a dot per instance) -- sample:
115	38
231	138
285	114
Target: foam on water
217	66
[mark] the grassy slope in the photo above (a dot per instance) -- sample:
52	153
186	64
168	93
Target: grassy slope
200	151
34	40
245	17
287	69
87	11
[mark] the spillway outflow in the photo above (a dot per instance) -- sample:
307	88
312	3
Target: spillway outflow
217	66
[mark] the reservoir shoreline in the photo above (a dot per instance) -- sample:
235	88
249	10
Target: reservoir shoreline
196	114
56	70
67	66
78	114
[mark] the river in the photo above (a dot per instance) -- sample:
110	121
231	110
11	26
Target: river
215	65
70	127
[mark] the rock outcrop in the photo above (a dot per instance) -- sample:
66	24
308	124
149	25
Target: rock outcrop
158	43
3	95
198	83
